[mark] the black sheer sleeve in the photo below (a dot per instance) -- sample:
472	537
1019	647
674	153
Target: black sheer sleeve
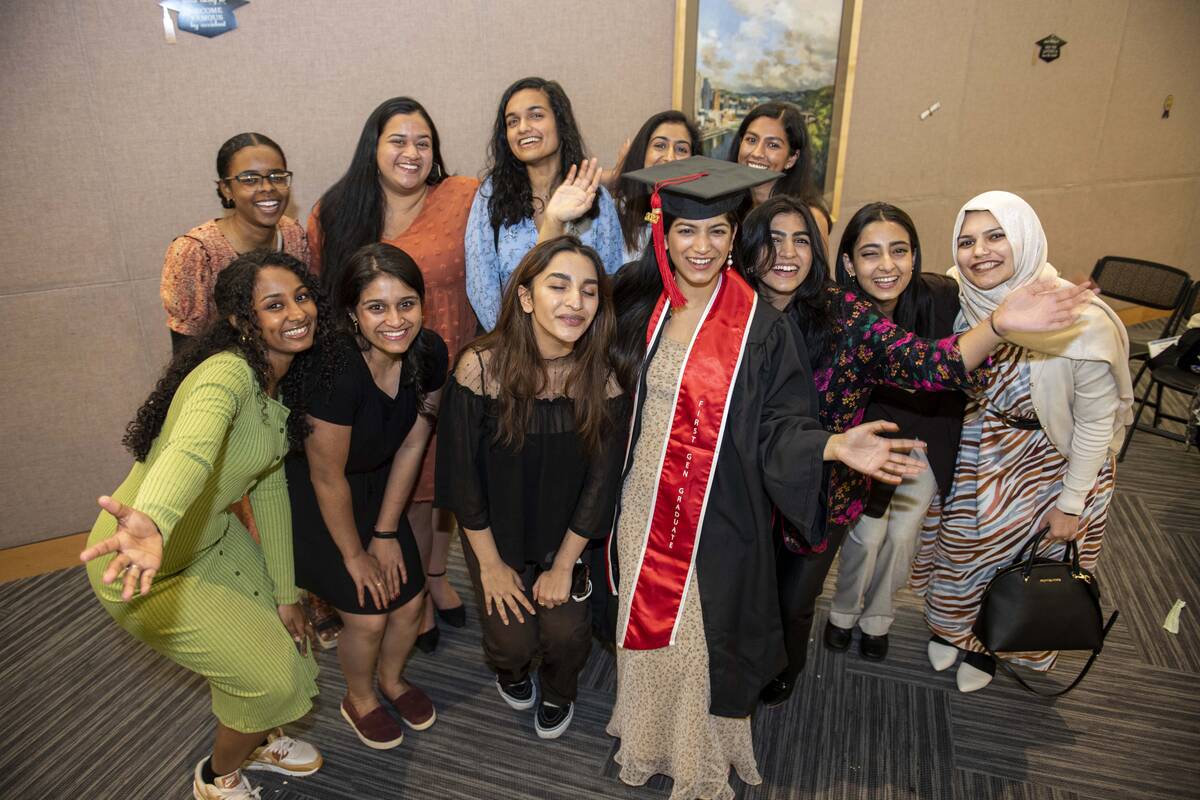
593	514
460	482
791	441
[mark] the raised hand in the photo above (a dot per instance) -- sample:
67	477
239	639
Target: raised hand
862	449
137	543
1041	306
575	195
609	181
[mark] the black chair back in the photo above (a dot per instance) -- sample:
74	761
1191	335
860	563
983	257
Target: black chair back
1146	283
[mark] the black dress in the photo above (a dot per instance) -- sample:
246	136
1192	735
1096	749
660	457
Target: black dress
379	425
531	496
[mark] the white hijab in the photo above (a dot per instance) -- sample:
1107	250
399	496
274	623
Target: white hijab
1099	335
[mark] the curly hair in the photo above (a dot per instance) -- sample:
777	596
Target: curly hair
367	264
512	196
633	198
234	296
351	211
519	368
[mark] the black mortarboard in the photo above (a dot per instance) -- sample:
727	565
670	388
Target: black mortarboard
718	186
693	188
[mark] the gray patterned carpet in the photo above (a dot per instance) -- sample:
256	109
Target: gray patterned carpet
89	713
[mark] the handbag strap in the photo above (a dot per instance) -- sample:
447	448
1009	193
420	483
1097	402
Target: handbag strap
1091	660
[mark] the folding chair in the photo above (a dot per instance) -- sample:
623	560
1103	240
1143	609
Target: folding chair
1167	376
1145	283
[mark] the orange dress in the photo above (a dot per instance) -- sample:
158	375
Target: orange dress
435	242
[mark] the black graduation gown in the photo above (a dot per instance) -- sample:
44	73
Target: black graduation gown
771	456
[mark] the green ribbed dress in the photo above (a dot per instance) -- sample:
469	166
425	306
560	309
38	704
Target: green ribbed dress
212	607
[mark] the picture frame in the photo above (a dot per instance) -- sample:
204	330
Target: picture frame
718	124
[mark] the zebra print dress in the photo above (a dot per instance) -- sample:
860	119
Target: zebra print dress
1005	481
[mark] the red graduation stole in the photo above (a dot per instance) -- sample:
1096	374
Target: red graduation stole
689	454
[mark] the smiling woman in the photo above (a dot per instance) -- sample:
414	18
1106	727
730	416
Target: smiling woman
535	146
253	181
210	598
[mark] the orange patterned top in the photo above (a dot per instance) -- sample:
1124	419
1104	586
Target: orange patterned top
435	242
191	267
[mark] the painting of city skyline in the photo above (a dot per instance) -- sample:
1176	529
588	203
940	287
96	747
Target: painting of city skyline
754	51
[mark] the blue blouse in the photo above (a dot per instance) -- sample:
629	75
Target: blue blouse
491	259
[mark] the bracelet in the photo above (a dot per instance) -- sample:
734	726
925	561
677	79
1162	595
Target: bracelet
386	534
992	325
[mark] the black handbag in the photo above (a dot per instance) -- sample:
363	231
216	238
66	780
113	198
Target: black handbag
1041	603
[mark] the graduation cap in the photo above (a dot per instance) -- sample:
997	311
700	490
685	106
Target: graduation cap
693	188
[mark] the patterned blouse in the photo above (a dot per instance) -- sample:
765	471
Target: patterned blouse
867	349
191	267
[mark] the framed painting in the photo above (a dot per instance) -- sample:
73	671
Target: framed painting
731	55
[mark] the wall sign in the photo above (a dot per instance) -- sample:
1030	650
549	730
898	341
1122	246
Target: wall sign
207	18
1050	48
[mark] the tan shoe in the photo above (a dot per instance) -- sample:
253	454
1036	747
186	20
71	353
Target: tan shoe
285	755
226	787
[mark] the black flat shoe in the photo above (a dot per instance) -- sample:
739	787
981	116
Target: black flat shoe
837	639
427	642
454	617
873	648
777	692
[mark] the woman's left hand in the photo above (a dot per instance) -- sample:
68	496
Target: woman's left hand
576	193
1040	306
293	619
1062	525
391	561
862	449
553	587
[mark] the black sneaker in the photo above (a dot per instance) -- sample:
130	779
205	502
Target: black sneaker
518	695
552	720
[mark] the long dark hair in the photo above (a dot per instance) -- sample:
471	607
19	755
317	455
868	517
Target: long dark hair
633	198
517	365
368	263
797	181
635	294
351	211
230	148
809	306
512	196
914	308
234	297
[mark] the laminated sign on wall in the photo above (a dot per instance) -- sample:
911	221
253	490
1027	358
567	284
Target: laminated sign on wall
1050	47
202	17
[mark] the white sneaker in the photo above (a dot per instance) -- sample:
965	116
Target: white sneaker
227	787
942	656
285	755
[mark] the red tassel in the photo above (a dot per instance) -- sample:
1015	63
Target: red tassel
674	295
655	218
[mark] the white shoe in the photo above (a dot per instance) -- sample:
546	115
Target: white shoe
238	787
971	678
285	755
942	656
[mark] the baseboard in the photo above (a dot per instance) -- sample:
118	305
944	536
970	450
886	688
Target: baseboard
41	557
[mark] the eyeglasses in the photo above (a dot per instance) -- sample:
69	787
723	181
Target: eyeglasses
252	180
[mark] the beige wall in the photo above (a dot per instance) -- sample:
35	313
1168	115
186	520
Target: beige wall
1081	138
109	137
